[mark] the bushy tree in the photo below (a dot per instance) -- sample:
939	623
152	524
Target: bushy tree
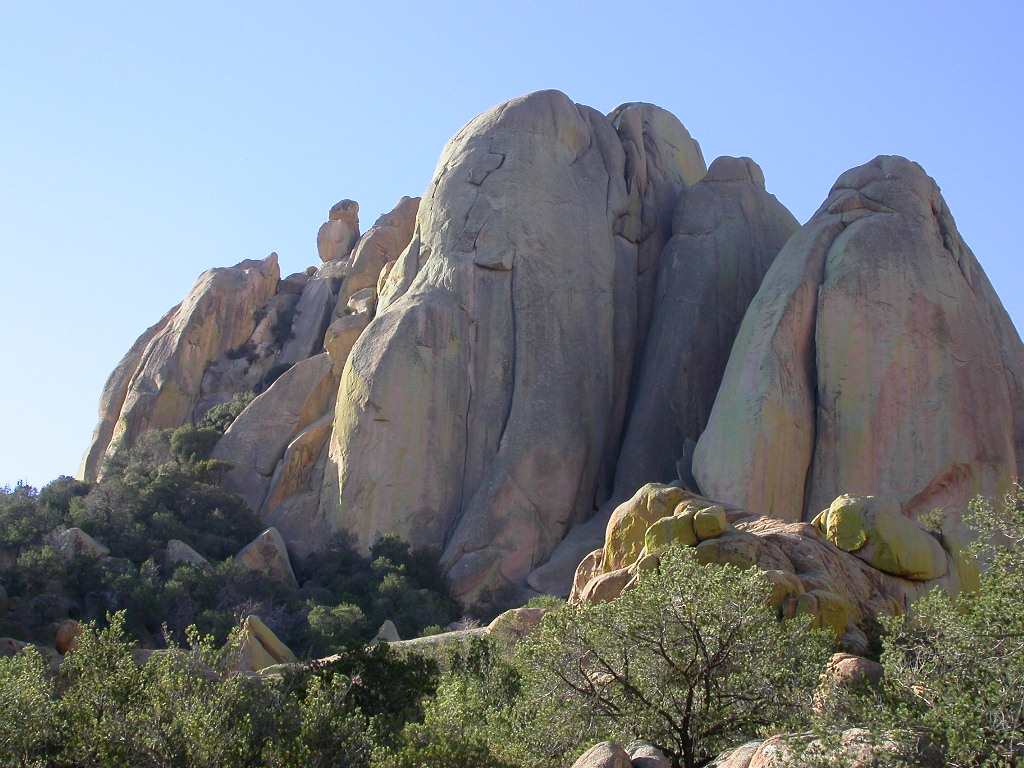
692	659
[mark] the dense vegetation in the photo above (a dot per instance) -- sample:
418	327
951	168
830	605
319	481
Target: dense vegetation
163	489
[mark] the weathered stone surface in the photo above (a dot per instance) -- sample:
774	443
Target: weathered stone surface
517	622
180	552
738	757
268	554
808	573
661	159
627	528
387	633
461	413
875	359
75	541
345	328
66	637
292	504
217	316
260	648
112	399
258	438
384	243
727	232
340	232
11	647
555	576
605	754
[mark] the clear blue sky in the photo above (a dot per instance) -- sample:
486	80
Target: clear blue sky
142	143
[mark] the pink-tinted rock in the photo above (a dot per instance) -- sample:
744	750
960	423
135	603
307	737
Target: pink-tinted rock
605	754
876	359
217	317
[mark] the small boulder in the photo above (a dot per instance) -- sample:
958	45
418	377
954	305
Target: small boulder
260	648
180	552
75	541
339	233
268	554
517	622
387	633
66	639
643	754
627	527
671	530
710	522
9	646
738	757
606	754
874	530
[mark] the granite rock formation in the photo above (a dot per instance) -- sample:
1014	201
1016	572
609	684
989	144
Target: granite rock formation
875	359
578	307
478	408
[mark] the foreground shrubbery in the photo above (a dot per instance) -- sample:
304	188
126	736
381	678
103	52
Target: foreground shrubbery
184	708
691	659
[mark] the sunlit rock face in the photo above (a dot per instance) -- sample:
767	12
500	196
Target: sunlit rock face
160	382
576	308
875	359
481	406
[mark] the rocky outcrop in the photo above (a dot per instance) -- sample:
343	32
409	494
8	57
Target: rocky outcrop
479	406
259	648
577	308
727	232
382	244
165	386
875	359
74	542
115	391
268	554
606	754
180	552
339	233
808	572
258	438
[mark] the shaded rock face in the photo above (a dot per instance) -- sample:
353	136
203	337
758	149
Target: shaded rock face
478	407
727	232
875	359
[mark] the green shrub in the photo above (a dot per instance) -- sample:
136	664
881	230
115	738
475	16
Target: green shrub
223	415
692	659
190	444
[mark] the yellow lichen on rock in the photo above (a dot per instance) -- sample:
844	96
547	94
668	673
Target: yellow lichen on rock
964	564
710	522
874	530
627	528
260	648
827	609
671	530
